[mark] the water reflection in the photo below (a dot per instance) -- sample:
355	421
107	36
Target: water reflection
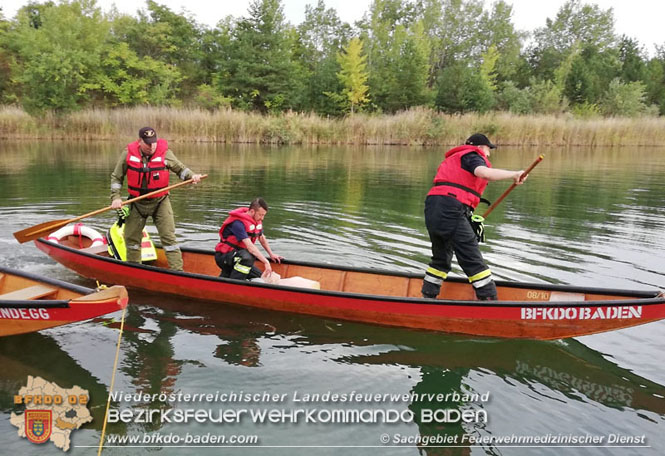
446	364
586	217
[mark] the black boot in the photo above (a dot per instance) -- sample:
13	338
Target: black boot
430	290
488	298
487	292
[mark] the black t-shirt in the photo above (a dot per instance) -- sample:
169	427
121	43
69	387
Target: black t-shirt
236	228
471	160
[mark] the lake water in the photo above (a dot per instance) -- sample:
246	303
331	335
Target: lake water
589	217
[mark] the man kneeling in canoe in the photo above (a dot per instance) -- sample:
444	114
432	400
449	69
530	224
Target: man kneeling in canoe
235	254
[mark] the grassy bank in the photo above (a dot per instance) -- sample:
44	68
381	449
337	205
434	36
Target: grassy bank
414	127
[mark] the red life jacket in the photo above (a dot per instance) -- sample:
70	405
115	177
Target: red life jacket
253	229
155	171
452	180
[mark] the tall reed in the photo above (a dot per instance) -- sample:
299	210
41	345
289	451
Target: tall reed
418	126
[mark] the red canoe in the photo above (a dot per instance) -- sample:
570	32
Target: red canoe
533	311
29	302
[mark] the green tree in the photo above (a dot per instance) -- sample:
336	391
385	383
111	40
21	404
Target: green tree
547	97
7	60
488	67
576	22
515	100
34	12
412	70
579	84
353	75
457	33
624	99
378	27
214	44
631	56
462	88
127	79
320	37
170	38
58	51
590	75
500	34
655	80
482	45
565	66
259	72
398	55
575	25
209	98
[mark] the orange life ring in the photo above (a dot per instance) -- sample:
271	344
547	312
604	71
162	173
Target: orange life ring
79	230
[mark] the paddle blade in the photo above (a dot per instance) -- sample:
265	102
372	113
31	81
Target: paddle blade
37	231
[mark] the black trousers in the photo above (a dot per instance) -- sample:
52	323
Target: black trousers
237	264
450	231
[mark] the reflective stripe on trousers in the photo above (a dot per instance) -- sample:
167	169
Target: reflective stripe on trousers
481	279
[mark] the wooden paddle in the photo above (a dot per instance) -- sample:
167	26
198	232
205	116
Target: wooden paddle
510	189
37	231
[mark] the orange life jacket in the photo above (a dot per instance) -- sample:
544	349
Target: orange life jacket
452	180
254	230
154	171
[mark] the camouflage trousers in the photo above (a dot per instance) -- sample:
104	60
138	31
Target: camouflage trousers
162	215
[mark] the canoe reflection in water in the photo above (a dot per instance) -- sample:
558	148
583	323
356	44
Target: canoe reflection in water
552	373
150	360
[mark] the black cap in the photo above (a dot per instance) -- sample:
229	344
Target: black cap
478	139
148	135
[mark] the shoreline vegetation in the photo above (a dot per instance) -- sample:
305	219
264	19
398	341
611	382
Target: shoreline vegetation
414	127
399	76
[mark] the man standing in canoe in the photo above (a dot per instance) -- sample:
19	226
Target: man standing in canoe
236	252
146	163
458	186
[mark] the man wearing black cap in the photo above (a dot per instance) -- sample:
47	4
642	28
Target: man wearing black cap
146	163
458	186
